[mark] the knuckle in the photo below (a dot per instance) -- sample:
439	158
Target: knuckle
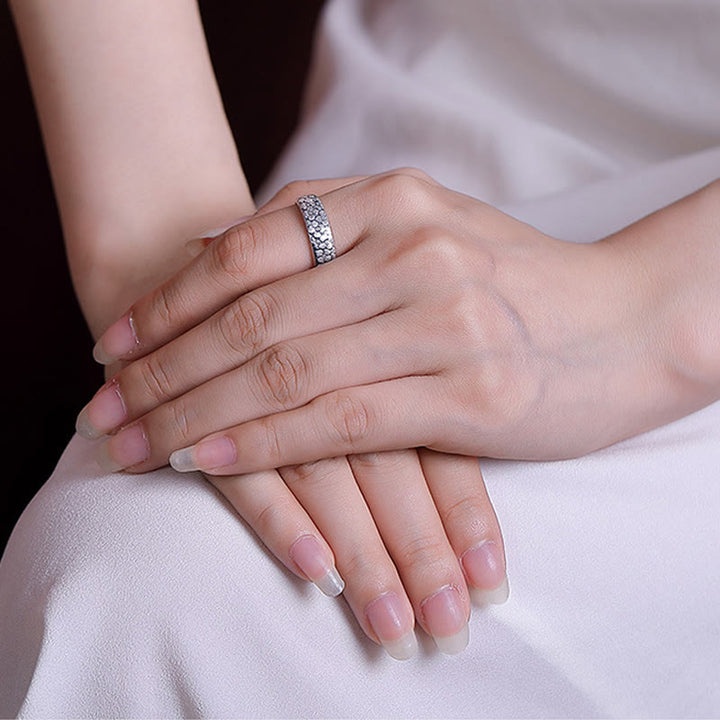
235	255
268	444
426	553
316	472
387	460
402	189
271	519
244	324
156	378
294	474
439	250
349	419
365	566
502	398
178	420
293	190
416	173
464	321
471	514
283	375
167	305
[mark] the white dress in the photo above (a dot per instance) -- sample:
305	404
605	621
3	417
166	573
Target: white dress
127	596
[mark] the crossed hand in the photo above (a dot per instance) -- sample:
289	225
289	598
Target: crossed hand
341	408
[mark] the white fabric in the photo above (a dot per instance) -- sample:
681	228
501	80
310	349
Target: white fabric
146	597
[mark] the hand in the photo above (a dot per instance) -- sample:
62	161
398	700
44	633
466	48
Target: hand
444	323
410	532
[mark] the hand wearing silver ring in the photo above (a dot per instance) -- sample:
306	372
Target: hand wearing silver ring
343	508
447	324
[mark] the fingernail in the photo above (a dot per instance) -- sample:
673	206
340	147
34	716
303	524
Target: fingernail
207	455
497	596
118	340
389	620
445	618
129	447
103	413
310	556
484	568
196	246
216	232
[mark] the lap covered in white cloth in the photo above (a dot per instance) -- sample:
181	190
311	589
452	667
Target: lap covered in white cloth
146	596
126	596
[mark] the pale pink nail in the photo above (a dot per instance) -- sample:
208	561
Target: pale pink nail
218	231
310	556
393	625
484	567
103	413
207	455
129	447
446	620
117	341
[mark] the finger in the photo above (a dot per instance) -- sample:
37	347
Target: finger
328	492
232	336
265	503
263	249
389	415
288	375
460	495
395	490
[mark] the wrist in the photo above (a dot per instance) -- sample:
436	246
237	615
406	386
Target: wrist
670	265
116	259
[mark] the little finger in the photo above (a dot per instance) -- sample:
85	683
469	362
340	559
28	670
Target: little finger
460	495
395	414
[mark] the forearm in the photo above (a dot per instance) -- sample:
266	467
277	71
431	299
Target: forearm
139	148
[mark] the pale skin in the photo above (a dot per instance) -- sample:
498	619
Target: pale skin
445	324
476	335
411	532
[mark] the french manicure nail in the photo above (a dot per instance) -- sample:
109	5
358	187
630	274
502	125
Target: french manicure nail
118	340
309	555
103	413
484	568
105	461
497	596
389	620
445	617
206	455
129	447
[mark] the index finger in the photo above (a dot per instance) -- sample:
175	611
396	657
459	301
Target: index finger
265	248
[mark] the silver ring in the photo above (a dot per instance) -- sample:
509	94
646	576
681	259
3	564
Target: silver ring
318	228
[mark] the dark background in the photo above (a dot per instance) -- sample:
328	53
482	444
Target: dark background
258	49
